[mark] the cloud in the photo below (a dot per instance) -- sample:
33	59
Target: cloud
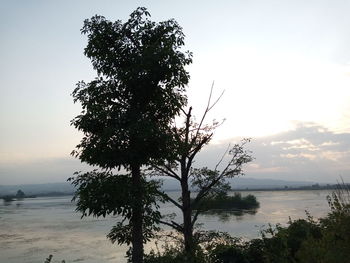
310	151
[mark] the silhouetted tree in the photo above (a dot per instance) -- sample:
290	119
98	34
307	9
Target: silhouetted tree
209	183
20	194
128	108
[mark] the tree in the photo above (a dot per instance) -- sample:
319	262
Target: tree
128	108
20	194
209	183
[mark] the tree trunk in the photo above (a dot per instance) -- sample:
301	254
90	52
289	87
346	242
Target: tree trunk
186	195
137	216
187	214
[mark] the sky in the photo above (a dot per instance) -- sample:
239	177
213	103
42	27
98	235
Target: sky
284	68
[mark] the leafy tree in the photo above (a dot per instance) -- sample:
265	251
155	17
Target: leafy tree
209	183
128	107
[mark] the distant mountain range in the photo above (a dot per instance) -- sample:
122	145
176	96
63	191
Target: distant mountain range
241	183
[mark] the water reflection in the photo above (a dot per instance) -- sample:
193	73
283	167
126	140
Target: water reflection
228	215
7	202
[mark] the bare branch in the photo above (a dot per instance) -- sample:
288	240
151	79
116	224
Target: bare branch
172	224
168	172
183	111
207	109
204	191
217	100
196	150
222	157
228	170
168	198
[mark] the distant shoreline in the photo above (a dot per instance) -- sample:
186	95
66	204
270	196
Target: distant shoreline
247	189
11	198
286	188
292	188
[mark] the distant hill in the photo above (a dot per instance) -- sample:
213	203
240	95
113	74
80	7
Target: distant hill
240	183
253	183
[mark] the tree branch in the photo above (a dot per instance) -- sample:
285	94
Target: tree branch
222	158
195	217
169	172
172	224
204	191
196	150
207	109
168	198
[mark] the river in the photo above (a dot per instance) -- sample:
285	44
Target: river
34	228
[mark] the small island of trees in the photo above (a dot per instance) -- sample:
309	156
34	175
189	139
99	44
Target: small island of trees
18	196
226	202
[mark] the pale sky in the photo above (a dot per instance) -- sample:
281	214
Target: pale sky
284	66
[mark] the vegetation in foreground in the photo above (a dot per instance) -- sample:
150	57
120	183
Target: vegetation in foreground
326	240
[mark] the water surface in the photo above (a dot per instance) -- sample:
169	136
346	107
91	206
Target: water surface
34	228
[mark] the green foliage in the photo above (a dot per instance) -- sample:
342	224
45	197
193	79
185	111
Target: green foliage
170	255
102	193
214	247
282	243
174	254
200	177
333	246
138	91
304	241
213	182
227	254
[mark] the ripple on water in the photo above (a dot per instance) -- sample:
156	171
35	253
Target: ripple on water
43	226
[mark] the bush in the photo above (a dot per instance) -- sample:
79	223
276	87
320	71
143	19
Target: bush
333	245
302	241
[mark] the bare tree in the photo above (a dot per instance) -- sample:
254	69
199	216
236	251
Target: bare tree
189	141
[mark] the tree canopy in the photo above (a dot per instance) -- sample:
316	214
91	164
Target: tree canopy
138	91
